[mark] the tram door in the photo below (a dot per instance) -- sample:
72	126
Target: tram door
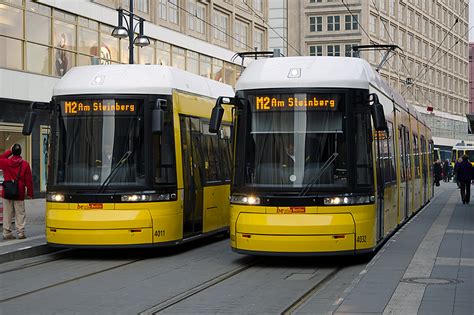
379	138
192	176
404	171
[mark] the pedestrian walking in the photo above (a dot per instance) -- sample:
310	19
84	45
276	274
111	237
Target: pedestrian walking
17	176
464	172
437	172
446	170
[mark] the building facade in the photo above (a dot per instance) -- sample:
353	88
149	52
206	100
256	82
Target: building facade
431	67
471	79
41	40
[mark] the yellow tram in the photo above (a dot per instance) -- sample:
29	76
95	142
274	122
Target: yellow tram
132	162
328	158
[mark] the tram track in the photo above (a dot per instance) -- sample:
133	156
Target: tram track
38	263
299	302
65	281
199	288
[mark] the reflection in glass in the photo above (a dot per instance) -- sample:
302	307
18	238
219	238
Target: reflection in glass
11	21
11	52
37	58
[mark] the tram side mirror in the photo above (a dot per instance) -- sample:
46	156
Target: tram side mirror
378	115
157	116
218	113
28	123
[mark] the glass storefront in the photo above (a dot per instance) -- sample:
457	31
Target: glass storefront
44	40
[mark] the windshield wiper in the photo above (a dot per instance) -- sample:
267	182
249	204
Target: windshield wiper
316	177
107	181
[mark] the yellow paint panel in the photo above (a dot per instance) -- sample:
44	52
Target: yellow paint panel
216	207
167	228
98	219
292	244
295	224
99	237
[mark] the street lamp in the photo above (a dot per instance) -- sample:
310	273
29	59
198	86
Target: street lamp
123	32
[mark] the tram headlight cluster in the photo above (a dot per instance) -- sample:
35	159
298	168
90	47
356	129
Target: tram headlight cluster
148	197
55	197
348	200
245	200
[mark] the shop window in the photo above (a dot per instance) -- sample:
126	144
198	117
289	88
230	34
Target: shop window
38	28
163	54
205	66
37	58
146	55
13	21
11	52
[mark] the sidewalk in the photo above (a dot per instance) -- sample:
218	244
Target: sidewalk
35	243
425	268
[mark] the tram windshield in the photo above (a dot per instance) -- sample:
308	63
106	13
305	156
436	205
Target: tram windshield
99	142
298	142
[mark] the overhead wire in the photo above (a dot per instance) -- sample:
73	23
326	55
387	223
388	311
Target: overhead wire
210	24
439	46
391	39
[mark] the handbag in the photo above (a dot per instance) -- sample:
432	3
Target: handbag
11	191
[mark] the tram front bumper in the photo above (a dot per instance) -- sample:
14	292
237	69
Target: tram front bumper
98	227
294	233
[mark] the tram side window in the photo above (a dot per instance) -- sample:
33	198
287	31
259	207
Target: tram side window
225	153
416	155
163	154
424	156
388	155
211	152
363	157
402	160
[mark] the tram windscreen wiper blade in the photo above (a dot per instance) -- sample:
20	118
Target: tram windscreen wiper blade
316	177
122	161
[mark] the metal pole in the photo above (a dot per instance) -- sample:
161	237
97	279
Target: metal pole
130	34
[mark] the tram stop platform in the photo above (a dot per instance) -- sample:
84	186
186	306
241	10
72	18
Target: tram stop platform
35	242
427	267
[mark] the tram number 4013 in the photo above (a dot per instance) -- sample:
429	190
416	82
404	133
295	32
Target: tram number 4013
362	239
160	233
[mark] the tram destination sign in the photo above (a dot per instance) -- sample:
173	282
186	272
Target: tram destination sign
300	102
98	107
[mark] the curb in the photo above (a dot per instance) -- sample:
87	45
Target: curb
27	252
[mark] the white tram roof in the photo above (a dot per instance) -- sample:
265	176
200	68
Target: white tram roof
318	72
136	79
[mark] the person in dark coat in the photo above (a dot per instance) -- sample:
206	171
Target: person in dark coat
464	178
437	172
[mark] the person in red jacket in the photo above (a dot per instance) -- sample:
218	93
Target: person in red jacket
10	167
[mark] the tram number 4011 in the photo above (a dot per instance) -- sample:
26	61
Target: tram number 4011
160	233
362	239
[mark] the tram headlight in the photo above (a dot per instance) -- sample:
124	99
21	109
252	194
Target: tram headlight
348	200
55	197
245	200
